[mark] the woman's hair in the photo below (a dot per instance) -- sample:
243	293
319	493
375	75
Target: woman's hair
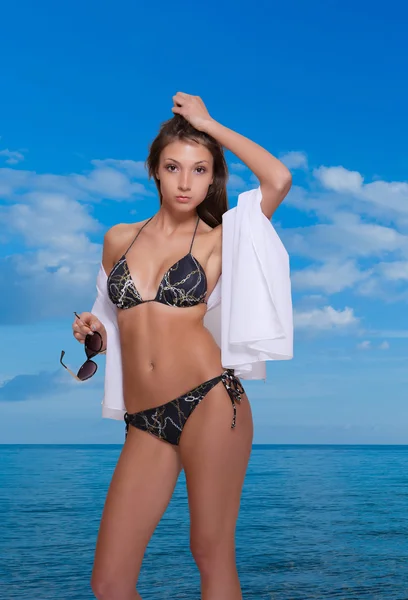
215	203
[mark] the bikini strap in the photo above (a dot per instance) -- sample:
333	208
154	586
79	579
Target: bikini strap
198	218
138	234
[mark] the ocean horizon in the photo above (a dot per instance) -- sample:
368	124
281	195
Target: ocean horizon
254	446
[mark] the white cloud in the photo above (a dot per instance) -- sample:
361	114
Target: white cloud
13	156
380	197
330	277
357	225
311	300
394	271
356	237
339	179
389	333
238	167
106	182
133	168
50	216
101	182
294	160
346	237
388	196
58	268
325	318
235	182
366	345
49	220
388	282
370	288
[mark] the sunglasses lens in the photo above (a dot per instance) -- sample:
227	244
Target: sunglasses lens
87	370
93	344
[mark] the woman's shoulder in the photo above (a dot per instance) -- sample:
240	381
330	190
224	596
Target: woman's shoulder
123	229
117	238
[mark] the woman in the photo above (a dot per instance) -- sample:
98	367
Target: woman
184	410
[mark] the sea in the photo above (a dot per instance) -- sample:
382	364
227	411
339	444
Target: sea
316	522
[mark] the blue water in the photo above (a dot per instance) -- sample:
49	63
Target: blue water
315	522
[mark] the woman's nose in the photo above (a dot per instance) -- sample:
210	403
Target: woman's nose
184	181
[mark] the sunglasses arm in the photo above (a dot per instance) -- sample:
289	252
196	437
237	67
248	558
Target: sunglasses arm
67	368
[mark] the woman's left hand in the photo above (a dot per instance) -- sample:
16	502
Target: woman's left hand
193	109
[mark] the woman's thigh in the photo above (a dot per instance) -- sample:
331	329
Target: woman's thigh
141	488
215	459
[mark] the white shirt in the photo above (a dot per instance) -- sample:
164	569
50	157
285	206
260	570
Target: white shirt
249	312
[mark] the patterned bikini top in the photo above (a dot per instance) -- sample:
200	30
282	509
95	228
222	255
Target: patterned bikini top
183	285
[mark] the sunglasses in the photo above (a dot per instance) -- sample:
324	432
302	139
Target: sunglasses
93	346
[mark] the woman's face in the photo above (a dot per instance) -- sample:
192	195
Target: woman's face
185	169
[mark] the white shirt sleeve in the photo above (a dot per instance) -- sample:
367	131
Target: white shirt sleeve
113	406
256	321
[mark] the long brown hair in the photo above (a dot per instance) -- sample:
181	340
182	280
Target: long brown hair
215	203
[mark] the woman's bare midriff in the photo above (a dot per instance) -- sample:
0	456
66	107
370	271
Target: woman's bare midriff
166	352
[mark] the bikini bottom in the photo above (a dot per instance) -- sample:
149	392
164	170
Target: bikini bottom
167	420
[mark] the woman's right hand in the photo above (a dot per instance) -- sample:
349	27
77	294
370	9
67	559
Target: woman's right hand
86	324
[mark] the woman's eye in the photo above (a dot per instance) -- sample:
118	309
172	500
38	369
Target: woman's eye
202	169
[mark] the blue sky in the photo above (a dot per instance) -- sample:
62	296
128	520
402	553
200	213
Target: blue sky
321	85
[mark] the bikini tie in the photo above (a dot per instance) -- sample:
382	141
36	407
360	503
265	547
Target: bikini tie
127	421
234	389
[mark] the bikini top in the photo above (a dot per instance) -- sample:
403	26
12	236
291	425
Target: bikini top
183	285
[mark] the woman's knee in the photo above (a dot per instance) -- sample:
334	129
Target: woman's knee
102	588
112	588
211	552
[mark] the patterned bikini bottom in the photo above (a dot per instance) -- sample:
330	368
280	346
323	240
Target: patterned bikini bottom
167	420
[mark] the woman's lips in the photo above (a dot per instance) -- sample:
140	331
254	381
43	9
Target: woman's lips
183	198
